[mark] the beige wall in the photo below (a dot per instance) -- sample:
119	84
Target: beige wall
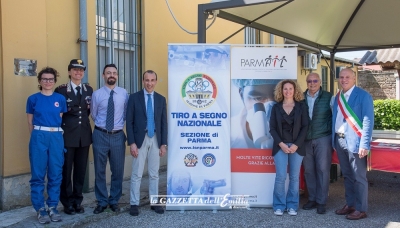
1	101
22	37
47	31
159	29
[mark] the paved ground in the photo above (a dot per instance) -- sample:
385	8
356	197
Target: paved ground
384	211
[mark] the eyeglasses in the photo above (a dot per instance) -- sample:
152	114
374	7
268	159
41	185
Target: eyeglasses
47	80
312	81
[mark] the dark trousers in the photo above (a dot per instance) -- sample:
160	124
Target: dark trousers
74	171
317	164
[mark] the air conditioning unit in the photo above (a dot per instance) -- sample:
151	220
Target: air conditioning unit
310	61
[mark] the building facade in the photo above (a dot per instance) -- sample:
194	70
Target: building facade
132	34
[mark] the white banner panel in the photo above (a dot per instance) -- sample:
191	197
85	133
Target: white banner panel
199	166
255	71
264	63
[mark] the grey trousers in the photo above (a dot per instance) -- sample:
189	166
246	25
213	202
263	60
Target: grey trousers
150	150
112	147
317	164
354	170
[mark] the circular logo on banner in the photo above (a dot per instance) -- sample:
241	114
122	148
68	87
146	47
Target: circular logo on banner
209	160
199	91
190	160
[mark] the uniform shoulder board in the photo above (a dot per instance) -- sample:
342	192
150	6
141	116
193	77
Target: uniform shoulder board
62	86
86	84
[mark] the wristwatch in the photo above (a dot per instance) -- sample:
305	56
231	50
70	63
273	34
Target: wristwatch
166	147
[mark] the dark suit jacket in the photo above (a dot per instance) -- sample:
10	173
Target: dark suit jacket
300	127
136	119
75	122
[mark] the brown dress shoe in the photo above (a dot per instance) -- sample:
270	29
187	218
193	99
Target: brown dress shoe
356	215
345	210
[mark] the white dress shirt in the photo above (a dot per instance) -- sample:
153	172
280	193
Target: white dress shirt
340	123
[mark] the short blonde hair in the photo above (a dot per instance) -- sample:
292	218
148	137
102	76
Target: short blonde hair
278	93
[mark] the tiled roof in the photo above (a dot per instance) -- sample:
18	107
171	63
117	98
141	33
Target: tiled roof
381	56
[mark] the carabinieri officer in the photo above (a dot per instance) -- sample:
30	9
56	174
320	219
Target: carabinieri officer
77	136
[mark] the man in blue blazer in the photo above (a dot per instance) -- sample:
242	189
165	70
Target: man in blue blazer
352	125
146	127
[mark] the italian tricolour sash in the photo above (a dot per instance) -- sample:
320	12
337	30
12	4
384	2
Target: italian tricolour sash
353	121
348	114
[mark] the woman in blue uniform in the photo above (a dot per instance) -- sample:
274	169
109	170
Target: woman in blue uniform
46	145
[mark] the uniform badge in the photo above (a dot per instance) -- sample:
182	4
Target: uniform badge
88	99
56	104
190	160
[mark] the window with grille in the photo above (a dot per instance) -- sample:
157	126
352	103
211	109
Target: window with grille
118	37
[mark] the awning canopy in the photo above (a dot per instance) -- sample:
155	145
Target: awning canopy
330	25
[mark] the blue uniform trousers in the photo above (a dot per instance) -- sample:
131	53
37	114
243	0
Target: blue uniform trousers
46	154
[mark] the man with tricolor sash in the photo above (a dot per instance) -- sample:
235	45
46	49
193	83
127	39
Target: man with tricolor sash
352	125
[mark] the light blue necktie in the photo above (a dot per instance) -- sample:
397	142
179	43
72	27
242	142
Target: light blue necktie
110	113
150	117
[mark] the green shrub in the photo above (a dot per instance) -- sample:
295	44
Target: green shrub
387	114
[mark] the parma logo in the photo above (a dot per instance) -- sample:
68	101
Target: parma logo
199	91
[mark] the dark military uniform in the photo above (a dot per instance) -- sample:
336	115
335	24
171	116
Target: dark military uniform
77	140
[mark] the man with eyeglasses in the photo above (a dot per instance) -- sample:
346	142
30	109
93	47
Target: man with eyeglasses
108	110
77	136
318	144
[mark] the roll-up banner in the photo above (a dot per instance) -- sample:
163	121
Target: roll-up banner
255	71
199	168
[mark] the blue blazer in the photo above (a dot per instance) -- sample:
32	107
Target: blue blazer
136	119
360	101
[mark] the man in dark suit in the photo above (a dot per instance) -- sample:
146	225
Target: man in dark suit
77	136
146	127
352	124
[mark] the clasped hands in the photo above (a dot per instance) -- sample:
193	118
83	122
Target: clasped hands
135	150
288	149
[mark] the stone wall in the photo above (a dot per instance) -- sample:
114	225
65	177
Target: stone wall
381	85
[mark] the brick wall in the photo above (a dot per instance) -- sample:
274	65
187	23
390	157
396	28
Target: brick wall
381	85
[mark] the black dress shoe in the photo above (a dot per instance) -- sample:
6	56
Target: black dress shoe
99	209
157	209
114	207
134	211
69	210
321	209
79	209
310	205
